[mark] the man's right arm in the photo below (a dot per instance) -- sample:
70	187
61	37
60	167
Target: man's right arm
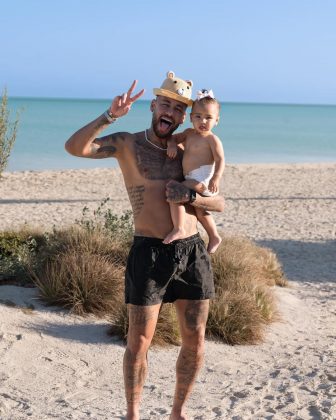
84	143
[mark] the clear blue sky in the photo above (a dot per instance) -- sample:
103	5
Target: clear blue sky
245	50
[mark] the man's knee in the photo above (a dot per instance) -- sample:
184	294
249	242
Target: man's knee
194	340
138	344
195	318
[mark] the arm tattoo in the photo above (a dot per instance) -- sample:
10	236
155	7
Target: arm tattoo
106	146
136	196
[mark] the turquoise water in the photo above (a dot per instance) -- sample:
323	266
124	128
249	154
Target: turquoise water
251	133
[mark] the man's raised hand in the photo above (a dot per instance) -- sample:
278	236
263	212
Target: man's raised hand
123	103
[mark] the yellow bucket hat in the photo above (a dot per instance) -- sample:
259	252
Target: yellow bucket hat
175	88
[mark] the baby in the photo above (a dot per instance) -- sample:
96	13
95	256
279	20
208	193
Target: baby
203	165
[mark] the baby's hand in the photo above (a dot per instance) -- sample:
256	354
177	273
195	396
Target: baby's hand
213	184
172	149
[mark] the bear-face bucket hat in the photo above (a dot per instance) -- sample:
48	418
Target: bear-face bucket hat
175	88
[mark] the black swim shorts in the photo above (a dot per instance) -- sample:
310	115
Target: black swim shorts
157	272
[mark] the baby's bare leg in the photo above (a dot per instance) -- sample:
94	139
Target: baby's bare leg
177	213
207	221
194	185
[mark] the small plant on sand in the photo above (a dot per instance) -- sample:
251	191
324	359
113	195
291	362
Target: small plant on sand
8	132
18	250
103	219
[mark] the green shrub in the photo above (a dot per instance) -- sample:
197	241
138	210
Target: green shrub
18	251
103	219
8	132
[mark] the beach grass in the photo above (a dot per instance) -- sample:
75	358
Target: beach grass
81	268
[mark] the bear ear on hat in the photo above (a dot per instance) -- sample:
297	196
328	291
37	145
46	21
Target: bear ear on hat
170	74
189	82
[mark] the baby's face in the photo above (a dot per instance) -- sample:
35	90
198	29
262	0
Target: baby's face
204	117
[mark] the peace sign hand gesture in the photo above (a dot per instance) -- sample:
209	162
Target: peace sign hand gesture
122	104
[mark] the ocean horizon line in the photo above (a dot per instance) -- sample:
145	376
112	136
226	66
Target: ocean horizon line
56	98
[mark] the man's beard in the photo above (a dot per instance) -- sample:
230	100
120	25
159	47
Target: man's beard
155	125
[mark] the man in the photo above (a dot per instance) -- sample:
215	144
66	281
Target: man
179	272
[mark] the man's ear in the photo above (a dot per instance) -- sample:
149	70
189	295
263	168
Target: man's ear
152	105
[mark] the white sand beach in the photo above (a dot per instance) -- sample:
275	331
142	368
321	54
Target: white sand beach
57	365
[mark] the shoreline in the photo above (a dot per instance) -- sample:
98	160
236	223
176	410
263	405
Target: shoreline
242	164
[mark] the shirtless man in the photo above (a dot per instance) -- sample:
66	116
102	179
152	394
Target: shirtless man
156	272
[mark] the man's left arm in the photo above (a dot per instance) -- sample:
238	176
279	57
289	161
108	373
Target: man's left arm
180	194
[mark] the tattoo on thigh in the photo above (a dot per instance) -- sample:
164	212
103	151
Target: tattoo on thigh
140	315
196	314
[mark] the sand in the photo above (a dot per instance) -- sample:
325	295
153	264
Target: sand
57	365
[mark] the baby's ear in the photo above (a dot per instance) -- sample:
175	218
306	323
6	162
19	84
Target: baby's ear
189	82
170	74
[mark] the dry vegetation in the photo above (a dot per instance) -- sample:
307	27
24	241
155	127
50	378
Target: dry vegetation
82	268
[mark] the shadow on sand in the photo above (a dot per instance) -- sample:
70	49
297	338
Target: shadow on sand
305	261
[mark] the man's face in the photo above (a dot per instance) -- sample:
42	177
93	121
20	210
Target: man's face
168	114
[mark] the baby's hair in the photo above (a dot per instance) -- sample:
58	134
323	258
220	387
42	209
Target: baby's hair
205	101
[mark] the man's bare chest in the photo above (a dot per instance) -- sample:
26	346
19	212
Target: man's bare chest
154	164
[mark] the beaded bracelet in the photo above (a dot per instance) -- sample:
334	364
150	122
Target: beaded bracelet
110	118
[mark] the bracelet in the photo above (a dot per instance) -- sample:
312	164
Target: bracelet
110	118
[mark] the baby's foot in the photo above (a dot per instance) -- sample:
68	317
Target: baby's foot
177	233
214	243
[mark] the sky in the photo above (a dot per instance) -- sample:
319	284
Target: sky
277	51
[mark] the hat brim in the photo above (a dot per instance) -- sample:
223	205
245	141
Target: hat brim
172	95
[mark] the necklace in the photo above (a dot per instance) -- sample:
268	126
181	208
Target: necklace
153	144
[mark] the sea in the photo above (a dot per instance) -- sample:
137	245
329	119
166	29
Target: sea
250	133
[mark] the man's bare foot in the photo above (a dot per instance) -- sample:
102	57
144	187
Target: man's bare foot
178	416
214	243
173	235
133	417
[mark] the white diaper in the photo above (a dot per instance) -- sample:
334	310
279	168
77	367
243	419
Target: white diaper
203	174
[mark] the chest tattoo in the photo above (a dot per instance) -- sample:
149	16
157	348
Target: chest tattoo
154	164
136	196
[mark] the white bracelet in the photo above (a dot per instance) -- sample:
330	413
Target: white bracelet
109	117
